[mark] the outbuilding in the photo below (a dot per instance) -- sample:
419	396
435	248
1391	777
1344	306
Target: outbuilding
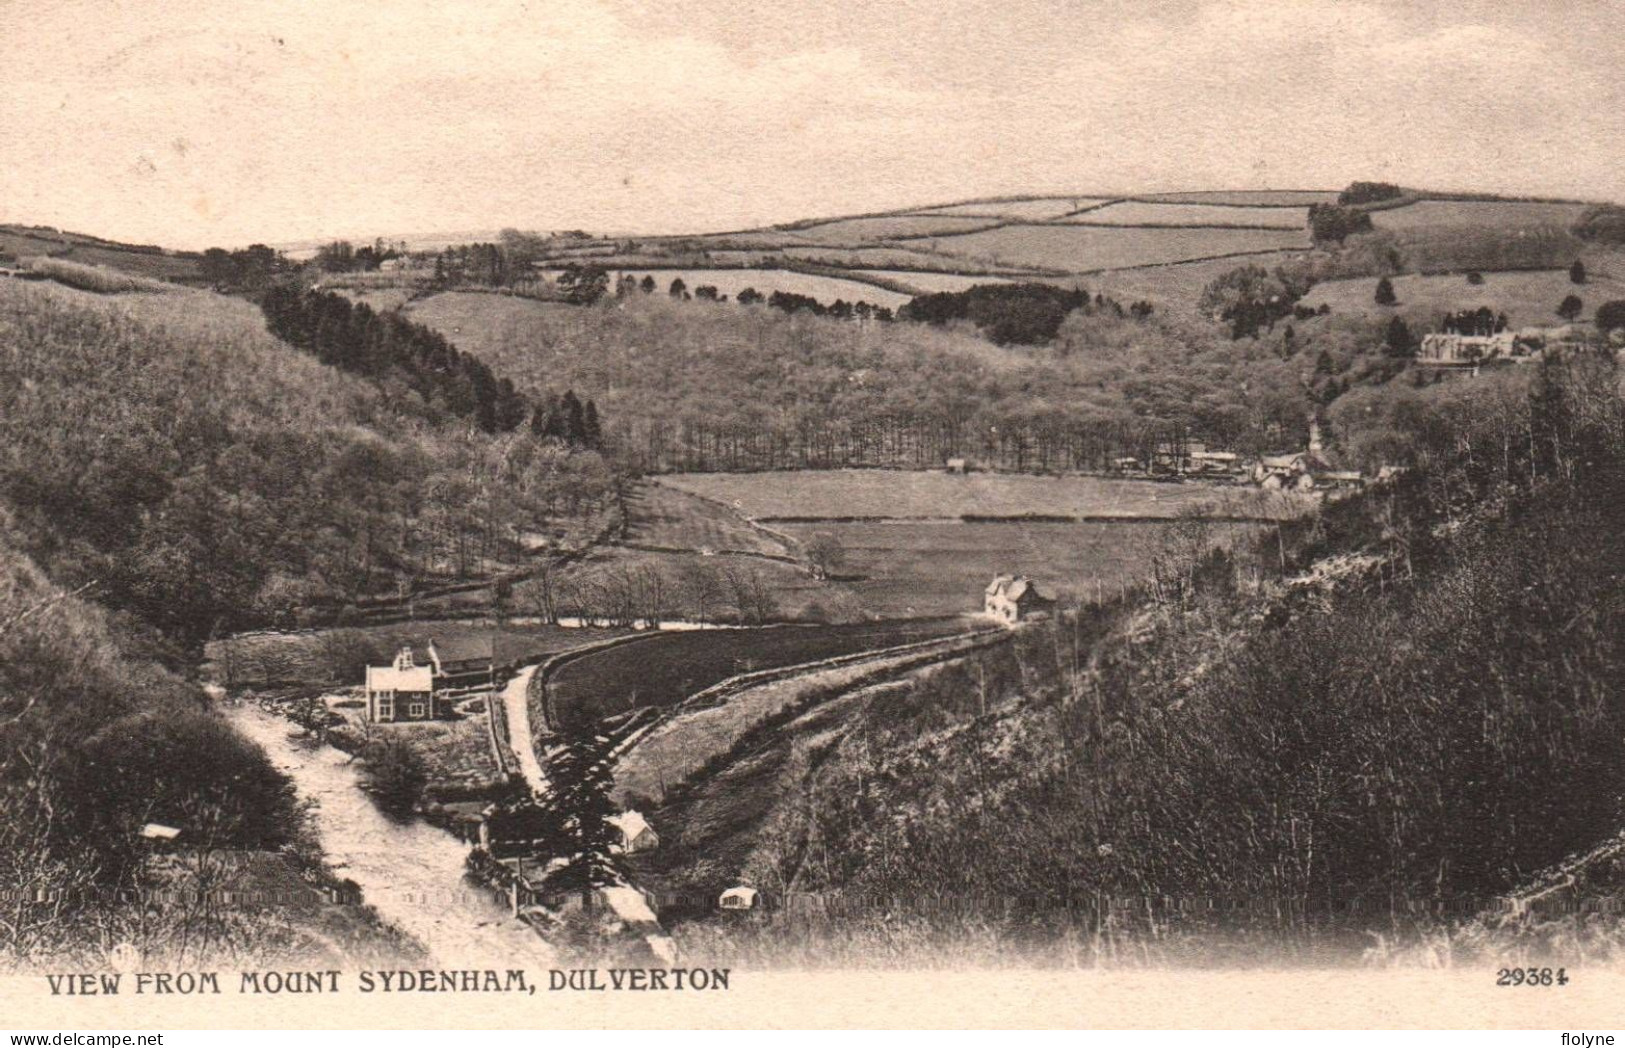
739	897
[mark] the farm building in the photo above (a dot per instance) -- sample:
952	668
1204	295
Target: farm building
415	685
1013	598
739	897
958	465
1449	349
636	833
1278	472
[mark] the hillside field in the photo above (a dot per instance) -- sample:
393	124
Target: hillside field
1036	209
731	282
1502	214
1528	298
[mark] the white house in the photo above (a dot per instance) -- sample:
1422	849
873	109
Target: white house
636	833
739	897
401	691
1011	598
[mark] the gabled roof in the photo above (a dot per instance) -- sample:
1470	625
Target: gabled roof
1013	587
630	823
388	678
464	649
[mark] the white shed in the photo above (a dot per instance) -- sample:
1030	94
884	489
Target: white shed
739	897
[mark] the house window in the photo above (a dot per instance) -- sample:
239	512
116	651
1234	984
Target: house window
416	709
386	705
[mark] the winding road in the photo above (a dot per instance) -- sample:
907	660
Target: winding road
409	871
521	740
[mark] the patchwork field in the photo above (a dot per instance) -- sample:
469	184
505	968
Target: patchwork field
926	255
1502	214
1142	213
888	494
1528	298
909	568
1081	249
666	668
1036	209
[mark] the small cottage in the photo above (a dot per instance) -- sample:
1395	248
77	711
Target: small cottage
1014	598
739	897
417	684
636	833
401	691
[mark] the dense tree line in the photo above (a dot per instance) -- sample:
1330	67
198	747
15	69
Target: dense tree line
1028	314
354	337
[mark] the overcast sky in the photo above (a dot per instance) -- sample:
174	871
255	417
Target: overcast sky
229	121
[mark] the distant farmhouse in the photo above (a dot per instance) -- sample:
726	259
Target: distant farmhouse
636	833
1014	598
418	684
1450	349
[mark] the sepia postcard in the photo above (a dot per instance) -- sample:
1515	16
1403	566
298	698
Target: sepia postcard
812	513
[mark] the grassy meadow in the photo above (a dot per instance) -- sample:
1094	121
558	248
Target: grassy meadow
1146	213
913	568
1500	214
859	231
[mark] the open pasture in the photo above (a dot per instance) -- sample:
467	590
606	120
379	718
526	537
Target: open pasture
668	518
877	494
1501	214
1527	298
1081	249
878	230
1144	213
909	568
667	668
478	321
731	282
1175	287
1036	209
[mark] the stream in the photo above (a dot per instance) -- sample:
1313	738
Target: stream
408	870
